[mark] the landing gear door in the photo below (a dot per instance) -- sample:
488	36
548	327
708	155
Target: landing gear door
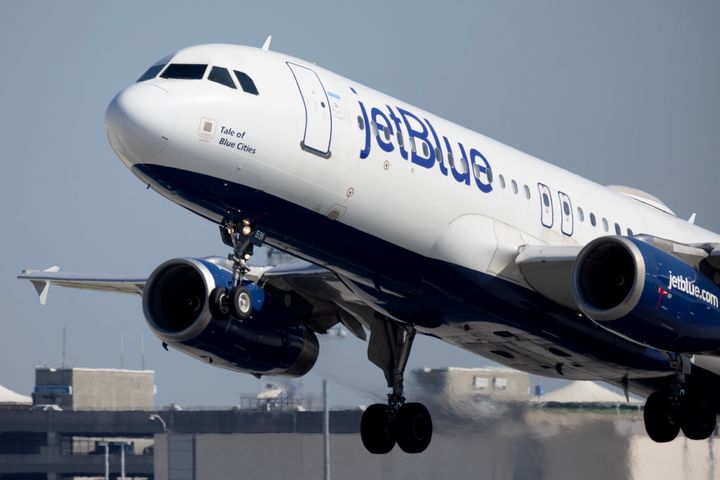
318	119
566	214
546	206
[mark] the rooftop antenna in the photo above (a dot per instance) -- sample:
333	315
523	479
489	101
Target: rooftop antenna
142	350
64	357
266	45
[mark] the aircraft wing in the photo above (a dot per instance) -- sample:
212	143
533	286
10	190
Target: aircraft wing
548	270
133	284
333	302
42	279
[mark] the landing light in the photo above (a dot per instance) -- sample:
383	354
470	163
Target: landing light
246	230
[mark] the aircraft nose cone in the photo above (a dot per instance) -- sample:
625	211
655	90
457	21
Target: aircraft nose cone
140	121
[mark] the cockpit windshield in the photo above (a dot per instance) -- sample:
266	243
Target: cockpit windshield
196	71
185	71
156	68
220	75
151	72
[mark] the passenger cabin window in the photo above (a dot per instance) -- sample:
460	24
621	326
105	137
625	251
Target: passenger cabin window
593	222
463	166
502	181
581	214
246	83
151	72
185	71
401	141
606	226
476	171
438	154
514	186
361	124
618	231
222	76
629	232
527	191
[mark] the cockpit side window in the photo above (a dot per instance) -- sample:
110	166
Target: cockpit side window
246	82
151	72
222	76
185	71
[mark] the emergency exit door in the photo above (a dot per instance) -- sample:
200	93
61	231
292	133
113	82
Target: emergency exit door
566	214
546	206
318	119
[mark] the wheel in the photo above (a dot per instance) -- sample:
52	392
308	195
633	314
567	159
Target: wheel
240	302
697	417
375	429
660	421
413	428
220	303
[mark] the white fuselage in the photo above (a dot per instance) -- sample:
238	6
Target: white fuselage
475	214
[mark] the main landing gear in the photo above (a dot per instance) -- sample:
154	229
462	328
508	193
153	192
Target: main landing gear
679	407
238	300
407	424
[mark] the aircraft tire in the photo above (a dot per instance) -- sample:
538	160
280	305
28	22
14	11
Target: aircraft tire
661	424
220	303
413	428
697	417
375	429
240	302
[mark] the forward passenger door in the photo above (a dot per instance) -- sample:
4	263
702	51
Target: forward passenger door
318	119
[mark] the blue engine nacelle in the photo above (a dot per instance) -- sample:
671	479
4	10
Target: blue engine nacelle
649	296
270	342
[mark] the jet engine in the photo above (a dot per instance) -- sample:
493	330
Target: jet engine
647	295
177	307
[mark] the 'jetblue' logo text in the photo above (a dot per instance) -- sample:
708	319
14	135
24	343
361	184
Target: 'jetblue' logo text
424	146
688	286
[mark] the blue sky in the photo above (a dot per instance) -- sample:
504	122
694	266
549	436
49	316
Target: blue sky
620	92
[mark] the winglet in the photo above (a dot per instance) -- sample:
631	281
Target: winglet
691	220
266	45
43	286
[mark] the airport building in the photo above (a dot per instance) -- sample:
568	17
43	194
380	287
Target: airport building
95	389
495	429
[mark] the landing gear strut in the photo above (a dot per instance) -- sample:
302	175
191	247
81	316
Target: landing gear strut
238	300
407	424
679	407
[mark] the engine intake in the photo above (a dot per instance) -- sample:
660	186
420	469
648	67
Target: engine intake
606	278
177	308
175	300
647	295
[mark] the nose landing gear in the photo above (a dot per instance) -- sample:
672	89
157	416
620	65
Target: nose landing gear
407	424
238	300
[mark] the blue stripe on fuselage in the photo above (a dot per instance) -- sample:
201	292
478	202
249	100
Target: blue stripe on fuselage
424	291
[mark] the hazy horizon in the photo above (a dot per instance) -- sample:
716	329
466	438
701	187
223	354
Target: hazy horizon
619	92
